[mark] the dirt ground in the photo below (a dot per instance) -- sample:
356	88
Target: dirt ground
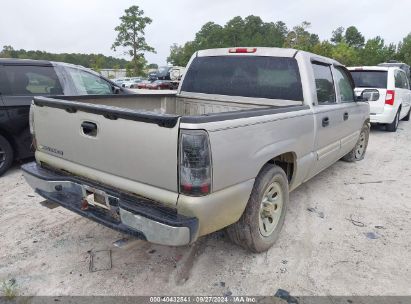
347	232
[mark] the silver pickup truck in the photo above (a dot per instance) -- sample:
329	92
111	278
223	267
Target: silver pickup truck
246	126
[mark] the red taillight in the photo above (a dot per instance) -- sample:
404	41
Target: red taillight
389	98
243	50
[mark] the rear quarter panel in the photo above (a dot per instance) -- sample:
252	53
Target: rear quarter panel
240	148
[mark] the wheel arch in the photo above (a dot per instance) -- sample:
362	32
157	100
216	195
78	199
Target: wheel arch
10	138
286	161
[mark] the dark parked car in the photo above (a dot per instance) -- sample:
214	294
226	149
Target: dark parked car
20	80
160	85
143	84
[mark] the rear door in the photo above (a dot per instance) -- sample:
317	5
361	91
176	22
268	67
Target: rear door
372	79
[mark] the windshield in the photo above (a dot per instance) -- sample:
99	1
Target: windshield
247	76
370	79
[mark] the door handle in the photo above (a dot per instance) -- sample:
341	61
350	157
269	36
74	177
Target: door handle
89	128
326	122
346	116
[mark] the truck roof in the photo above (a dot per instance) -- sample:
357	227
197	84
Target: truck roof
371	68
16	61
264	51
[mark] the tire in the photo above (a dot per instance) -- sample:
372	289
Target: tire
392	127
254	230
407	117
6	155
358	152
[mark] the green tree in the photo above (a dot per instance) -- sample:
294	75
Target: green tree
152	66
8	52
86	60
375	51
98	63
300	38
250	31
338	35
323	48
353	37
233	31
404	50
130	35
345	54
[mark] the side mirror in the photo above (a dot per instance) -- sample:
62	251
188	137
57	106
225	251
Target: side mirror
116	90
370	95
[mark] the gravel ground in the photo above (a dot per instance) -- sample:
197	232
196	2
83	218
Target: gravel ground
346	233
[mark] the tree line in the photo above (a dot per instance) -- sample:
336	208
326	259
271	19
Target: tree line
93	61
347	46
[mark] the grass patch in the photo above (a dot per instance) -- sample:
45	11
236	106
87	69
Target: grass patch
8	289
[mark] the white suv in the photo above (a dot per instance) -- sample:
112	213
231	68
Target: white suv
392	102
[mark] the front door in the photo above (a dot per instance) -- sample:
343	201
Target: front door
353	115
328	118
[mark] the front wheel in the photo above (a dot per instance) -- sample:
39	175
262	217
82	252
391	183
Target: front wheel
358	152
6	155
260	225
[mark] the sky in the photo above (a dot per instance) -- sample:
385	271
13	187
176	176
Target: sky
87	26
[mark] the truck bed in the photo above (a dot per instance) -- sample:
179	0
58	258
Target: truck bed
165	104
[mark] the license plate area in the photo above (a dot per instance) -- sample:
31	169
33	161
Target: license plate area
96	197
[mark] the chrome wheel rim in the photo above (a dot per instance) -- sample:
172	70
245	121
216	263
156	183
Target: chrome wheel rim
270	209
2	157
360	146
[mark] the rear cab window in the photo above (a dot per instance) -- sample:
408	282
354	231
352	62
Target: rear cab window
29	80
370	79
245	76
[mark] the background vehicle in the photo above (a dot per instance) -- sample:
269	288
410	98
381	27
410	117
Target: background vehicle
20	80
132	83
170	74
393	63
247	126
120	81
392	101
160	85
143	84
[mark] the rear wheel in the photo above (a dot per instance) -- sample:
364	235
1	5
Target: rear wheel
392	127
260	225
6	155
358	152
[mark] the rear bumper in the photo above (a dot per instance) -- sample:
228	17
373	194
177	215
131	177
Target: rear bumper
139	217
387	116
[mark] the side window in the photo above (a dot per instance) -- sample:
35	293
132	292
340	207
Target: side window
89	84
22	80
344	85
403	80
398	80
324	84
406	82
